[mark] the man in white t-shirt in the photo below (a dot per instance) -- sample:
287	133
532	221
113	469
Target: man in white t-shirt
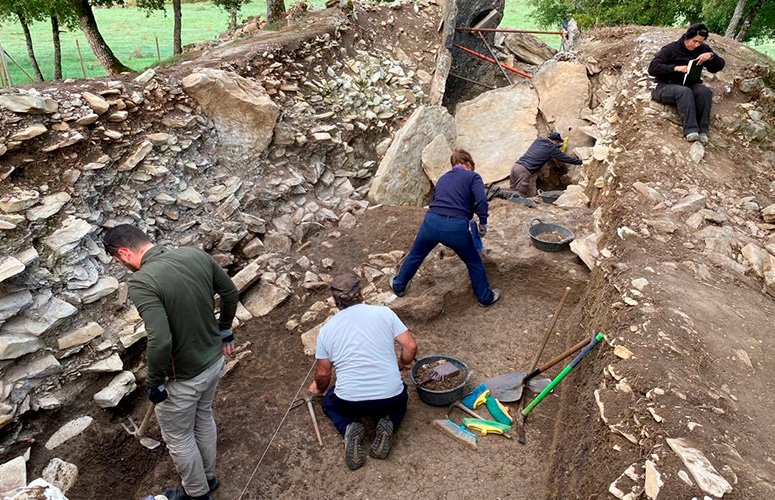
359	342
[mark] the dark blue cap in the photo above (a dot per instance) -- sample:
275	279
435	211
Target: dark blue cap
555	136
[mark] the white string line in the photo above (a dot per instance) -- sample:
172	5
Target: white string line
296	397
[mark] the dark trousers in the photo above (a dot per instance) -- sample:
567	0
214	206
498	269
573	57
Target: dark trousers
519	179
453	233
342	412
693	104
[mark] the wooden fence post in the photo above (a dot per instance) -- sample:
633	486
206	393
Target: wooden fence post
80	57
7	74
158	52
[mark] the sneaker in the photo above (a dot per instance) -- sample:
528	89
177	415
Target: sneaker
496	294
180	494
381	446
392	288
692	137
353	449
704	139
213	484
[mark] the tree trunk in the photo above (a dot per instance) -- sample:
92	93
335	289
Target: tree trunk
57	48
233	9
177	46
748	20
30	50
732	27
275	10
98	45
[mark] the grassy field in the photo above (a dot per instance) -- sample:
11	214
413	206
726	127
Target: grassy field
132	35
129	33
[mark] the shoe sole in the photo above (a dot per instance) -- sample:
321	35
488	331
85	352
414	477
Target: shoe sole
495	299
353	449
390	284
381	446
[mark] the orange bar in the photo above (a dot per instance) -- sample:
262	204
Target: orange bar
482	56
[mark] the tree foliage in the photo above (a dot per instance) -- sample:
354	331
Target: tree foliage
715	13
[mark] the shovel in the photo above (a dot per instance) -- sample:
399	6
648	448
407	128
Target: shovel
133	430
513	389
507	388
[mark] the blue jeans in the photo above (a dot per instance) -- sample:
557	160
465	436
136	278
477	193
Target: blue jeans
453	233
343	412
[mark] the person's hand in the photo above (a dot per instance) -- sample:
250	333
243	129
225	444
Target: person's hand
227	337
156	394
706	56
482	230
313	389
405	366
681	69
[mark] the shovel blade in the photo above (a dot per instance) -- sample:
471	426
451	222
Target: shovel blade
507	388
149	443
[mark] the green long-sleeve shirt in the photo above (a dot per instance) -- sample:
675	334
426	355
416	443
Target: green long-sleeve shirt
174	293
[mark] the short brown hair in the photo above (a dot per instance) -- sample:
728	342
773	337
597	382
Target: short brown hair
461	157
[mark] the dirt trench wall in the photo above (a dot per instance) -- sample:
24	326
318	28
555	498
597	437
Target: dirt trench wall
141	149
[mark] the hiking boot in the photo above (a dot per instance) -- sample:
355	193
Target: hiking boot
381	445
392	288
496	294
704	139
692	137
180	494
353	447
213	484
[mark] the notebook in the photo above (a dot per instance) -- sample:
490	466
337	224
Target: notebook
693	73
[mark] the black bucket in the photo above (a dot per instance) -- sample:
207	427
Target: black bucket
550	196
440	398
537	227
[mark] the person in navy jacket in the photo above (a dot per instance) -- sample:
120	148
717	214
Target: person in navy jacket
459	194
669	67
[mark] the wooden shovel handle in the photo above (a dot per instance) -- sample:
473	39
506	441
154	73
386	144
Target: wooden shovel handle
550	329
573	350
146	421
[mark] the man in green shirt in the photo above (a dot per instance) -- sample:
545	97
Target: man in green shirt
173	291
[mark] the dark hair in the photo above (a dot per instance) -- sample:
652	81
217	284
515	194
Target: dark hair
696	29
461	157
124	236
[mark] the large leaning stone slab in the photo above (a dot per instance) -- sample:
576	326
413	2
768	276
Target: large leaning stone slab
243	114
705	475
12	304
400	178
10	267
247	276
528	48
136	156
80	336
68	431
264	298
104	287
24	102
68	236
15	345
435	158
121	385
497	127
564	95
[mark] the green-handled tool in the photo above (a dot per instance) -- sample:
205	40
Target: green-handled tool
596	340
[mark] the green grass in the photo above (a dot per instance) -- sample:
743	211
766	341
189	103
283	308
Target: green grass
129	33
132	35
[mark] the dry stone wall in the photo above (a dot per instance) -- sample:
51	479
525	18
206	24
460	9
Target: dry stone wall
285	146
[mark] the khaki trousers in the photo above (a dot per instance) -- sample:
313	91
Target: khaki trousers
519	180
188	428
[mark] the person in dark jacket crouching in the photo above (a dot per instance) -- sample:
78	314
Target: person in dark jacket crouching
669	67
459	194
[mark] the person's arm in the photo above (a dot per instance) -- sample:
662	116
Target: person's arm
557	154
480	199
224	286
661	64
159	349
322	377
408	347
713	62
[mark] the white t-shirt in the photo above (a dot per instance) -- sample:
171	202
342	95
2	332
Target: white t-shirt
359	342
